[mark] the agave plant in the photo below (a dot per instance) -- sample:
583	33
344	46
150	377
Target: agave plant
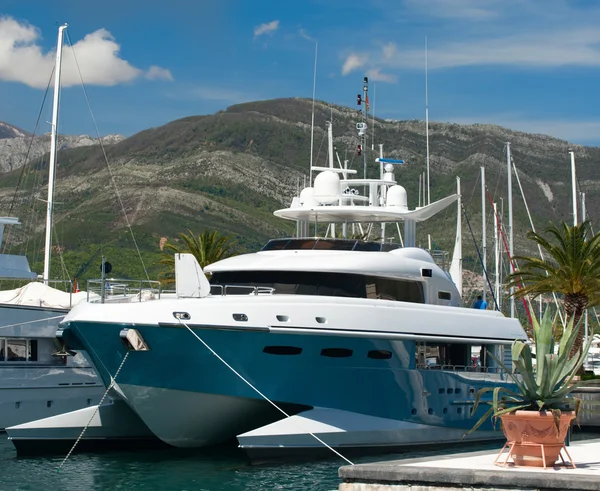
547	385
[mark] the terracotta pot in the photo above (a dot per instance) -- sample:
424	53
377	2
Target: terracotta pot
531	429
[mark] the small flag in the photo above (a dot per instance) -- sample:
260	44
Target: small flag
367	101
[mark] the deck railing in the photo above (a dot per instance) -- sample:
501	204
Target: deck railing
116	289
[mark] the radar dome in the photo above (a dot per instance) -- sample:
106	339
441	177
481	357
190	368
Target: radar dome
327	187
396	196
307	198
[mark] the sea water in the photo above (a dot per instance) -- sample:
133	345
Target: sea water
223	468
166	469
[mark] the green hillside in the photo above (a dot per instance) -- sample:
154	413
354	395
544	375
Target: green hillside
232	169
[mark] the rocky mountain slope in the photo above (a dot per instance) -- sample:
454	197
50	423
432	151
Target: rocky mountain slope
14	149
230	170
10	131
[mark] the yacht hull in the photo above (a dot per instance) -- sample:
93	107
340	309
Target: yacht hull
189	397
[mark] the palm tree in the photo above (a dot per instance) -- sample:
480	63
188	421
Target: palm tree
208	247
571	269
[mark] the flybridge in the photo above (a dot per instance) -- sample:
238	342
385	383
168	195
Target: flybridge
353	207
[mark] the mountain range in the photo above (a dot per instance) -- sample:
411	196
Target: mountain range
232	169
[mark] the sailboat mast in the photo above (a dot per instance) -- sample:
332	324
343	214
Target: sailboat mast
574	186
510	226
427	120
496	257
52	164
483	236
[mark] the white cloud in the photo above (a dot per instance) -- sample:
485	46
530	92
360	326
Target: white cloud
376	76
268	28
158	73
22	60
306	36
462	9
549	48
353	62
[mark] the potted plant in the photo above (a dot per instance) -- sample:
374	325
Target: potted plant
536	414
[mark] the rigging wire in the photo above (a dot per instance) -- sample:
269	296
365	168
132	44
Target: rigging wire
23	173
480	258
112	177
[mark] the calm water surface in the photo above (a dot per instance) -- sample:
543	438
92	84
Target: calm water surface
179	470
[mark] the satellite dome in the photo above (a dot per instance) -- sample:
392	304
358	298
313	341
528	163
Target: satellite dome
307	198
327	187
396	196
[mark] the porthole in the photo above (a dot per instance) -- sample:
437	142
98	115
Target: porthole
283	318
337	352
449	391
414	411
459	410
240	317
379	354
321	320
430	411
441	390
282	350
445	410
444	295
457	391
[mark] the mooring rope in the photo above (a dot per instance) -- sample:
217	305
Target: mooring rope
33	322
110	386
260	393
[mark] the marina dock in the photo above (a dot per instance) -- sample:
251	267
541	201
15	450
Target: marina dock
475	471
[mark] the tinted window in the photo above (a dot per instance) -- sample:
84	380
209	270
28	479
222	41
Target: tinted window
444	295
323	283
380	354
336	352
282	350
333	244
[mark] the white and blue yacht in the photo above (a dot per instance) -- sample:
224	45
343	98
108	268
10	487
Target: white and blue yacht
361	342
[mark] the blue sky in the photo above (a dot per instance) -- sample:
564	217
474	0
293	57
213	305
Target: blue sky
531	65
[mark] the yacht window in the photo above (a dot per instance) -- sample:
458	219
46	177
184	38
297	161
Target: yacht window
333	244
443	355
445	295
394	289
33	350
282	350
336	352
16	350
380	354
322	283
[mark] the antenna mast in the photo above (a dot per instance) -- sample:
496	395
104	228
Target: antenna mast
312	124
427	120
365	119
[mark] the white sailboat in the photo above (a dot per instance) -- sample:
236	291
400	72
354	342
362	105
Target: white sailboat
36	380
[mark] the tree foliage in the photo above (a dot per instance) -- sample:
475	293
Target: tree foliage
571	268
207	247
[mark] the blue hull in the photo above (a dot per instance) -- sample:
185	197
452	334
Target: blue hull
387	388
